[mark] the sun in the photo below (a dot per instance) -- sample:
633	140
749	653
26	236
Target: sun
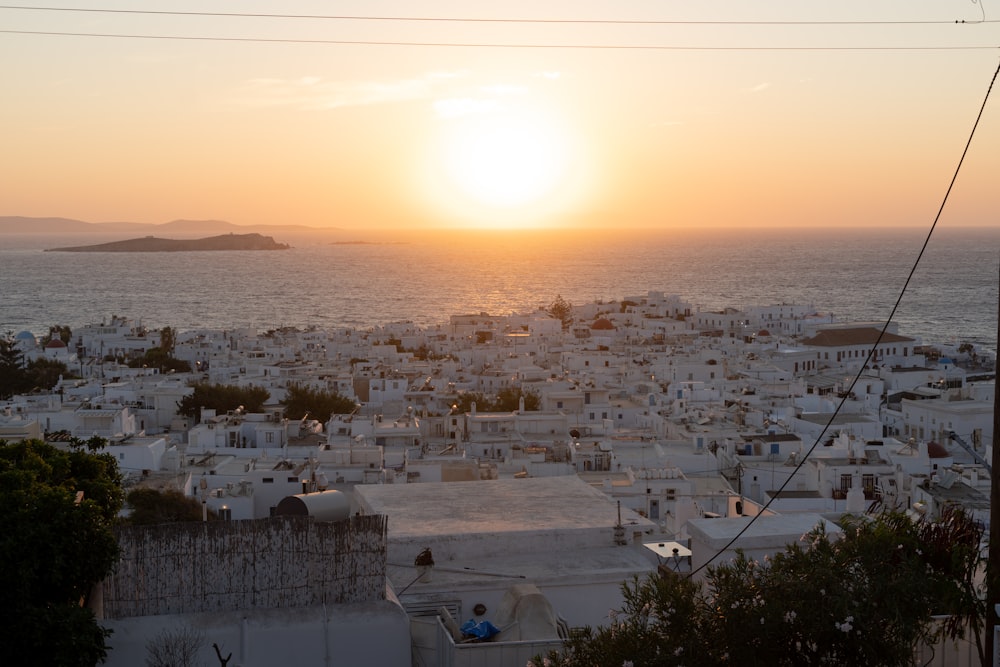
507	160
504	167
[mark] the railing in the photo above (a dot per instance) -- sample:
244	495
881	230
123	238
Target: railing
490	654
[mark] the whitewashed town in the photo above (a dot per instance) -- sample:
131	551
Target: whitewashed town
646	436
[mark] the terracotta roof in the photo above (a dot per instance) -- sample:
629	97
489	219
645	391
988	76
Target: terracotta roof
936	450
858	336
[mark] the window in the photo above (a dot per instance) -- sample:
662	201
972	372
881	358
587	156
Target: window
268	480
868	483
269	437
845	483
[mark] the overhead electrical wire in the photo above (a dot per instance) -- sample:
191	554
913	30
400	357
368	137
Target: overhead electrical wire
448	19
493	45
871	351
499	45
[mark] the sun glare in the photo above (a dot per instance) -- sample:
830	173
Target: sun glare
501	168
505	162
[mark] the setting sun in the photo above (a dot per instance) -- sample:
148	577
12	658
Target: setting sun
505	161
500	166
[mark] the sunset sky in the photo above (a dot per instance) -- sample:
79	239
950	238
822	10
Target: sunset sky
556	114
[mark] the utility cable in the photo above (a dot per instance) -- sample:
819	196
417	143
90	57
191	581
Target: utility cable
493	45
450	19
871	351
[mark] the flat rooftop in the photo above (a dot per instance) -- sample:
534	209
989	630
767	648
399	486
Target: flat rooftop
531	505
487	535
764	532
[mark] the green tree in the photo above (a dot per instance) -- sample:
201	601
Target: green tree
13	379
168	340
221	398
319	404
158	357
562	310
509	400
44	373
59	509
506	400
152	506
463	403
866	598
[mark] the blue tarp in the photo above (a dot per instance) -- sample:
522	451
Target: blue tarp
480	629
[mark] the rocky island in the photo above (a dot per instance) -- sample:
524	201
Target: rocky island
154	244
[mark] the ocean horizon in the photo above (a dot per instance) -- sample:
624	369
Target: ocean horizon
366	279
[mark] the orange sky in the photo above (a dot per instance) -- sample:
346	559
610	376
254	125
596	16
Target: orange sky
720	132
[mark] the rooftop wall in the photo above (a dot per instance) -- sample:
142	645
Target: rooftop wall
231	565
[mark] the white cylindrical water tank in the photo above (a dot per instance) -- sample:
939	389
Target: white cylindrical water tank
323	506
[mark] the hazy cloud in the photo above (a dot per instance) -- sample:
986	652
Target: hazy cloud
458	107
760	87
501	89
312	93
448	75
316	93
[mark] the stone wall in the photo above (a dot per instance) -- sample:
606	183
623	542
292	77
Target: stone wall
232	565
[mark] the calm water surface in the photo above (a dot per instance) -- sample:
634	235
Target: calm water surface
856	274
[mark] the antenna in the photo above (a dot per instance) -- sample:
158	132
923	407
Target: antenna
619	528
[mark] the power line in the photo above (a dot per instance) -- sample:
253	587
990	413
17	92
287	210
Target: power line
491	45
871	352
445	19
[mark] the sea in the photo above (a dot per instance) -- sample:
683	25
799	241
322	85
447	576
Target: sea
940	286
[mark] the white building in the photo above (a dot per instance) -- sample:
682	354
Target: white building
555	532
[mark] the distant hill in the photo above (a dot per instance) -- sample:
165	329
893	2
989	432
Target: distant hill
21	225
154	244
